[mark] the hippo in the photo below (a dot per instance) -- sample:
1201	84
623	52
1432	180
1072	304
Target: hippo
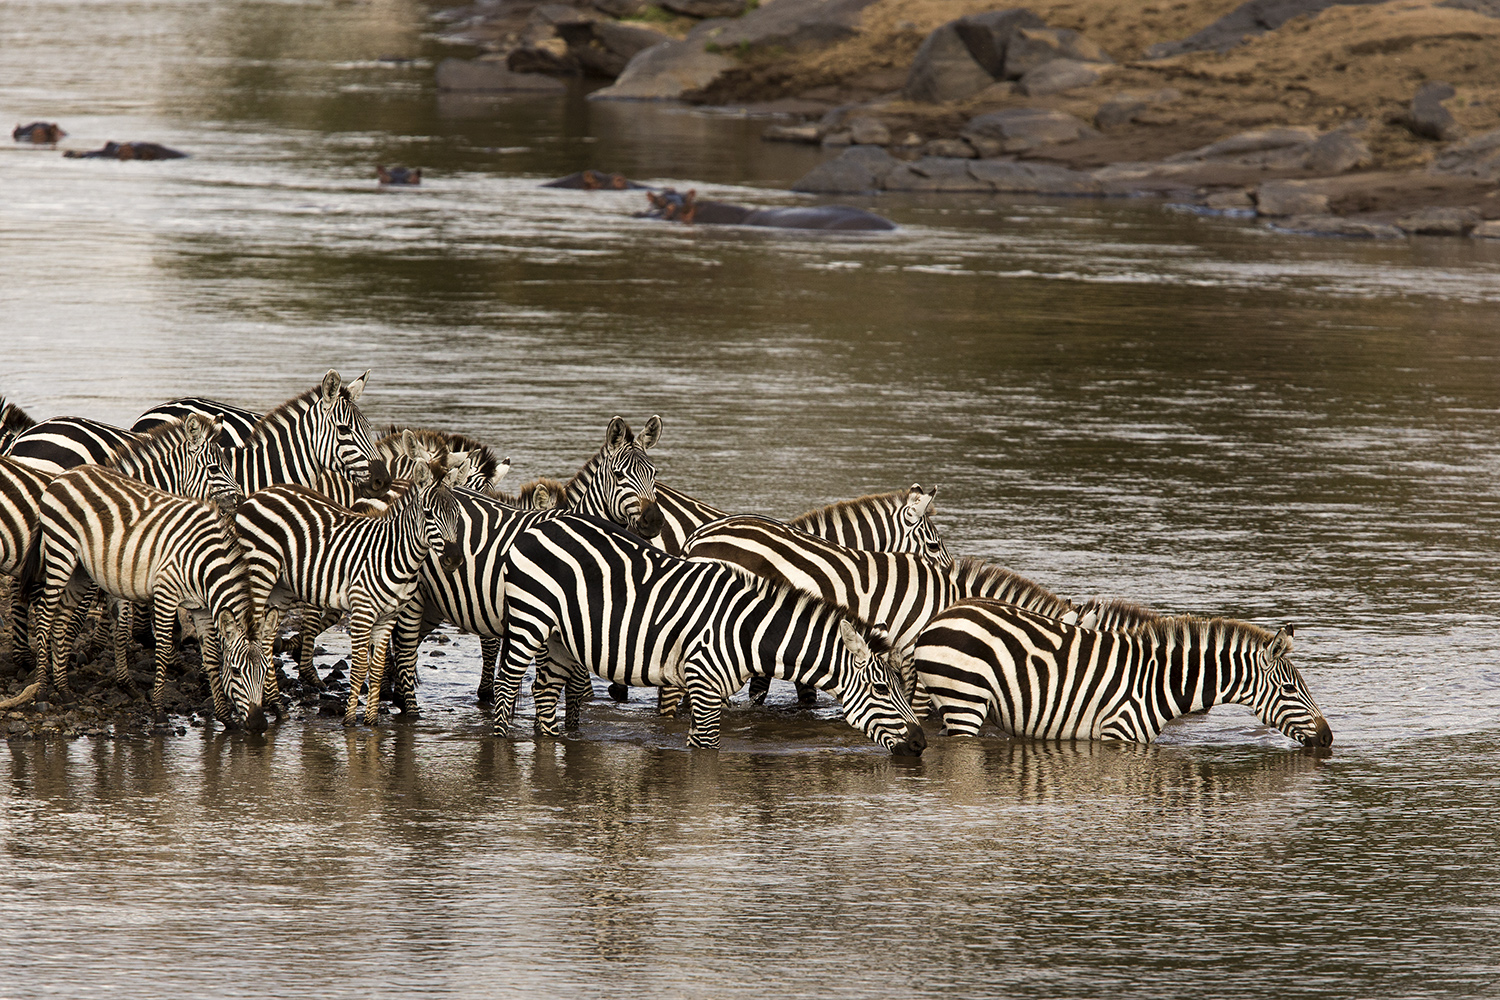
687	208
596	180
128	151
399	175
41	133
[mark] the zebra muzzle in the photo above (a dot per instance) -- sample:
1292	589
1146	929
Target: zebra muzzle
650	521
450	560
1323	736
913	745
255	722
380	478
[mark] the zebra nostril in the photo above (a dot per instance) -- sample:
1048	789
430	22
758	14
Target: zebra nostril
380	476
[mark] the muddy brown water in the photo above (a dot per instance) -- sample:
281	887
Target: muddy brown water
1112	397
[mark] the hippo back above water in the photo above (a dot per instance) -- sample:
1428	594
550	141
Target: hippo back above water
675	207
127	151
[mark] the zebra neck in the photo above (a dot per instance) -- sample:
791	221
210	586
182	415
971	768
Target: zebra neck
1186	671
584	493
276	453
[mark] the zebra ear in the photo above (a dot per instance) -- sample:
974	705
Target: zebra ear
408	443
919	501
616	434
543	497
502	469
227	626
358	385
854	641
329	390
1281	644
199	428
651	433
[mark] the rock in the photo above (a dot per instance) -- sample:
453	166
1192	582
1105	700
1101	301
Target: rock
491	75
1334	225
1059	75
1251	148
1029	48
1278	198
793	25
857	169
621	8
666	72
1336	153
1477	157
1247	21
868	132
1428	118
838	139
950	149
793	133
944	69
1486	230
1013	177
608	46
988	35
1118	112
1230	201
935	173
1022	129
705	8
1440	221
548	55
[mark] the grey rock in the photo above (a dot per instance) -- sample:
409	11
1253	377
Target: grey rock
666	72
944	69
857	169
705	8
1250	147
1428	118
1278	198
1118	112
489	75
607	47
794	25
950	149
1022	129
1013	177
1440	221
1247	21
1059	75
868	132
1489	8
1477	157
1336	153
985	147
838	138
988	35
810	134
1334	225
1029	48
1229	201
621	8
935	173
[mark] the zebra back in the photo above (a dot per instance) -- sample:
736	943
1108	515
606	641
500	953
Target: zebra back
21	488
636	615
900	521
236	423
13	420
681	516
60	443
619	482
539	494
1044	678
182	457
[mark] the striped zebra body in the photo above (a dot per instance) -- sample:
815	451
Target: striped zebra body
902	590
21	489
1042	678
403	449
635	615
681	516
139	543
236	424
63	443
13	421
302	547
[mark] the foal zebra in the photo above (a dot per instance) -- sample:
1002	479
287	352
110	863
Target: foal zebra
139	543
634	614
303	547
1045	679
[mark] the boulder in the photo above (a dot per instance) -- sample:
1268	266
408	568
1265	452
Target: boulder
1278	198
1013	177
935	173
608	46
962	57
1118	112
988	35
1021	129
1257	147
1058	75
1234	201
1477	157
810	134
492	75
868	131
1335	225
1440	221
621	8
1247	21
547	55
1486	231
1337	152
1428	118
793	25
857	169
666	72
705	8
1029	48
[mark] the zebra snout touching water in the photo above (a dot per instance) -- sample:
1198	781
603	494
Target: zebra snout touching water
635	615
1044	678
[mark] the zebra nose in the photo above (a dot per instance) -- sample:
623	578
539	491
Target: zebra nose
916	737
255	722
380	477
649	524
1324	737
451	559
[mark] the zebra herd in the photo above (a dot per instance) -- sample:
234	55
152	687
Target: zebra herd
243	522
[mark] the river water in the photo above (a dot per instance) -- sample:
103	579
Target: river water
1114	398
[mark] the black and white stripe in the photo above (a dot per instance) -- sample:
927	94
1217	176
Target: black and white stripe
62	443
236	423
635	615
139	543
899	521
21	489
304	548
619	482
1043	678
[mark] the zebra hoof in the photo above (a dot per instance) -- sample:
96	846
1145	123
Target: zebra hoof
619	692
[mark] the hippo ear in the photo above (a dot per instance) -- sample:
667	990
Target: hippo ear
651	433
616	434
358	385
853	641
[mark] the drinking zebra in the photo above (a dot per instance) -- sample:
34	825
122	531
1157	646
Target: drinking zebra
302	547
139	543
901	589
635	615
1043	678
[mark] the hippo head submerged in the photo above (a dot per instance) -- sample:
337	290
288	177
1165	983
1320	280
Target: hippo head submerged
399	175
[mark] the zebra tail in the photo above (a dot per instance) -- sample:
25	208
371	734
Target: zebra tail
31	570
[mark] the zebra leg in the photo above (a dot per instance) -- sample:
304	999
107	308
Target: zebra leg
620	692
671	700
314	624
361	621
380	642
489	651
164	620
960	718
212	657
124	629
518	652
8	605
760	686
406	637
62	629
270	625
551	679
806	694
707	706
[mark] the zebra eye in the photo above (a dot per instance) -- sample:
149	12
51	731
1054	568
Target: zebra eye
881	689
1288	689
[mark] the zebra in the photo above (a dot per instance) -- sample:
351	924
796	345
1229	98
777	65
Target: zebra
236	424
903	590
635	615
471	598
1046	679
21	489
140	543
303	547
13	420
539	494
57	444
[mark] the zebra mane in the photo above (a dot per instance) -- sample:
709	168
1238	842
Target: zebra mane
486	463
298	404
877	639
525	496
894	499
1116	614
1001	584
162	436
1176	626
13	419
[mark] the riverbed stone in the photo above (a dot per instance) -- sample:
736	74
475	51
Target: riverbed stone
1030	177
868	131
1440	221
950	148
492	75
1477	157
666	72
1428	118
705	8
944	69
857	169
1029	48
1486	230
1058	75
1336	153
791	25
1245	22
1284	198
1334	225
988	35
1022	129
935	173
1118	112
1256	147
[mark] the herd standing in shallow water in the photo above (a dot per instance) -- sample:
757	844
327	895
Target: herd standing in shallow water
236	520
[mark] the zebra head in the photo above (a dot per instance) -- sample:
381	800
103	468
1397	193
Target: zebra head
440	515
1279	695
624	478
916	525
13	420
342	435
205	473
243	667
872	693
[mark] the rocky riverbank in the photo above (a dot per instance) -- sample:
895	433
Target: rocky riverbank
1356	118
